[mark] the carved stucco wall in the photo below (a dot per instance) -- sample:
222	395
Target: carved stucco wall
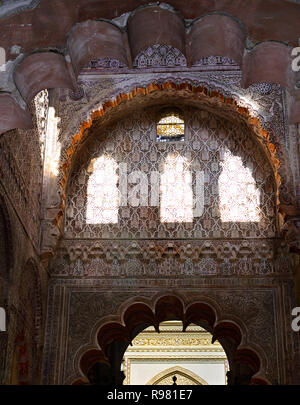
26	279
133	142
21	160
77	306
142	244
249	279
116	95
85	270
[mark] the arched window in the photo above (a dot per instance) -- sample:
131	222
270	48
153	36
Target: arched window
239	195
103	193
170	127
181	375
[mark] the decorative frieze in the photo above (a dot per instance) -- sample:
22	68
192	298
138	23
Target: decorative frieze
145	259
159	56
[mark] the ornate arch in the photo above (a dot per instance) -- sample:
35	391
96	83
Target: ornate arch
114	334
101	111
189	375
222	99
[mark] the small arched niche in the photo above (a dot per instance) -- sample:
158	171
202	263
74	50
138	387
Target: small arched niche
177	376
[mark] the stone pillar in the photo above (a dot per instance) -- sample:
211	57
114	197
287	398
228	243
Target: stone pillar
297	278
3	349
291	231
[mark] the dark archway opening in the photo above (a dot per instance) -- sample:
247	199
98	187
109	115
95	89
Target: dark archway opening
103	367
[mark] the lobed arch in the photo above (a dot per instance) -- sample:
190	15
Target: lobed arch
219	34
39	71
85	9
273	53
105	40
119	40
96	40
112	334
162	25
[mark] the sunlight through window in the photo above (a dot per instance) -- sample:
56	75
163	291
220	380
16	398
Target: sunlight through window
102	192
176	191
238	193
170	128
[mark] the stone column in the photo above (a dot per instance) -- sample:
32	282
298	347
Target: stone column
3	348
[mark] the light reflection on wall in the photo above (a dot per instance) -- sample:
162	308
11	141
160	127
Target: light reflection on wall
102	192
239	197
176	204
53	146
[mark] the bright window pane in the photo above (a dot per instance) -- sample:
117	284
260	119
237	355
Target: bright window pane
176	191
102	193
170	128
239	196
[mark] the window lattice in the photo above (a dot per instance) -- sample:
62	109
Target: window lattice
170	128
